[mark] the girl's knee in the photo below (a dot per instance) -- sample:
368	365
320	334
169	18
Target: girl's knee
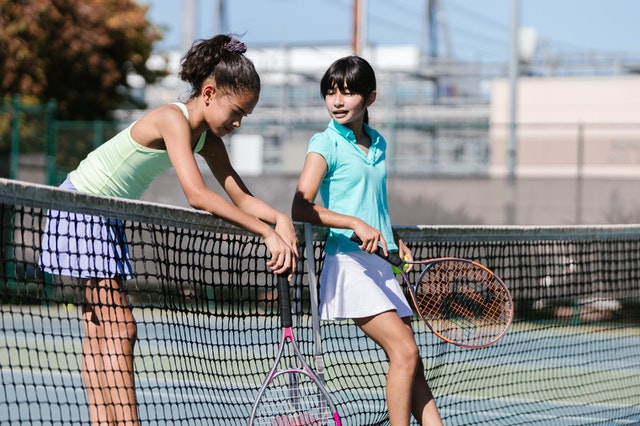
407	354
124	329
413	356
121	328
130	330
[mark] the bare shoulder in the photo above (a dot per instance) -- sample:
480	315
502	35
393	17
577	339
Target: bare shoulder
167	112
157	124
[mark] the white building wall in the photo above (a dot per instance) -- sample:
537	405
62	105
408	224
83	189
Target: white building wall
565	126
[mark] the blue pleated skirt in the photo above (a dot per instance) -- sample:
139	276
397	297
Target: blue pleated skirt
84	246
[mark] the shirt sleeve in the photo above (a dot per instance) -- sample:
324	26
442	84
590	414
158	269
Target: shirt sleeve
320	144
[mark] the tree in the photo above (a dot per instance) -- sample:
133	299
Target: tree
78	52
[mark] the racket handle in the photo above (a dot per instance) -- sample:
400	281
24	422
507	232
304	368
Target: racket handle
284	300
392	258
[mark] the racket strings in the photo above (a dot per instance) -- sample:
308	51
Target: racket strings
293	398
463	302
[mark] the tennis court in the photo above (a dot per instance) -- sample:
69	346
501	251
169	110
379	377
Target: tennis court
166	396
208	324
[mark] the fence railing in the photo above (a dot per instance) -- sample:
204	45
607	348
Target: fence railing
422	142
25	127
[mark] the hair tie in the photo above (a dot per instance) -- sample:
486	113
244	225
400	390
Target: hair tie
236	46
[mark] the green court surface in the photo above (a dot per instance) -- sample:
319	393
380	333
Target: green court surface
552	378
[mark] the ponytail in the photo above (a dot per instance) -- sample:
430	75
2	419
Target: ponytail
221	58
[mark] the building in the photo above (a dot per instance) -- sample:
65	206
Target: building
447	124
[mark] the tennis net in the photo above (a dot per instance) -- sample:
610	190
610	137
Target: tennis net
207	324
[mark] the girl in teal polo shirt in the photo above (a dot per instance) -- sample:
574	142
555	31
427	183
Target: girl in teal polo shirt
346	164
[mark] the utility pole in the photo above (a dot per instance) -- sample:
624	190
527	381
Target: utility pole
429	50
222	17
188	32
514	71
359	30
435	24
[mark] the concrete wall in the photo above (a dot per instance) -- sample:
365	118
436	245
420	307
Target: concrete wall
490	201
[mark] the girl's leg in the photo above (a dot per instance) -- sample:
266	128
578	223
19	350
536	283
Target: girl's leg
108	348
423	404
391	333
406	392
100	412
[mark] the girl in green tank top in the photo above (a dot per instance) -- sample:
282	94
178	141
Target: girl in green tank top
224	89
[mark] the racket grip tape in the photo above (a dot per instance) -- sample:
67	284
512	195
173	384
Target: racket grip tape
284	300
392	258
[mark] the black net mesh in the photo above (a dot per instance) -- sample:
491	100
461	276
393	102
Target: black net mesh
207	323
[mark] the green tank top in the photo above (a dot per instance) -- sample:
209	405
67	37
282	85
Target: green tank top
121	167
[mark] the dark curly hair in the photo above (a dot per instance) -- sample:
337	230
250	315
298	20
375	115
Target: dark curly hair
221	57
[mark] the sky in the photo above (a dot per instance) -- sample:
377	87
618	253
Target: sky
477	30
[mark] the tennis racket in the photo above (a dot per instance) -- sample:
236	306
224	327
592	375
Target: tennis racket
461	301
291	394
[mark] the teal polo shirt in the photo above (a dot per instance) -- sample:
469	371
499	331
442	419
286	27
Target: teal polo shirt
355	183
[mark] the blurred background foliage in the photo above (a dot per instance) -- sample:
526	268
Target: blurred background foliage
81	53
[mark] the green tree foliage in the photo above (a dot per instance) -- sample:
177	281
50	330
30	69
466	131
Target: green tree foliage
75	51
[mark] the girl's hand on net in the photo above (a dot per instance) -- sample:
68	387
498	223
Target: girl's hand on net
283	258
284	227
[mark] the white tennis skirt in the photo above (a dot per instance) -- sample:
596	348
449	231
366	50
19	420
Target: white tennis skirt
358	285
84	246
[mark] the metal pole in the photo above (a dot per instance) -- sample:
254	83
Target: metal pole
15	137
580	174
50	120
513	84
222	17
513	103
358	26
355	47
188	33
